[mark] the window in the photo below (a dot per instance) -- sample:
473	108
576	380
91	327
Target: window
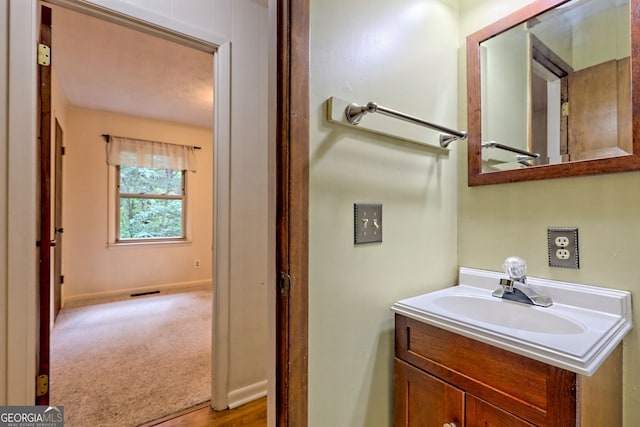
150	190
150	203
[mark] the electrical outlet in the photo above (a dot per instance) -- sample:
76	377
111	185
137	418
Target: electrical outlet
197	263
563	247
562	241
367	223
563	254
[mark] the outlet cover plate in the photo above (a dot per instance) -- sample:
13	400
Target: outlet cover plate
568	235
367	223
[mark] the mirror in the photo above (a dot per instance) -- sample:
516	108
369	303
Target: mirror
551	93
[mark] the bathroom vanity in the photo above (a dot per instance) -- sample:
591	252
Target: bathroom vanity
444	378
459	366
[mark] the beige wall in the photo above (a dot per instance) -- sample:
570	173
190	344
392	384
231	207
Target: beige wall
401	54
92	267
511	219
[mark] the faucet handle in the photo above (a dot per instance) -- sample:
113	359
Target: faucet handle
516	268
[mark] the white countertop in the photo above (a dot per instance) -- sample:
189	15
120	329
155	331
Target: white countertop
578	332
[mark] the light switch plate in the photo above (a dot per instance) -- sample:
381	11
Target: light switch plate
367	224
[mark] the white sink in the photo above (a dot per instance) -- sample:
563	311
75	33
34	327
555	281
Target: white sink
578	332
508	314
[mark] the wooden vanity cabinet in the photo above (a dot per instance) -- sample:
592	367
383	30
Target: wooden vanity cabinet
442	377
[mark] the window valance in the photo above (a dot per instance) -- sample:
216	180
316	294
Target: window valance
140	153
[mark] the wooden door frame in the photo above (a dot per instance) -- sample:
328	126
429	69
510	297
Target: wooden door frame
292	233
44	242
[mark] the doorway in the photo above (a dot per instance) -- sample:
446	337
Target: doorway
199	262
21	311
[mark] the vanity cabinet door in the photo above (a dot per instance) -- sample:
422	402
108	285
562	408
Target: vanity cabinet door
422	400
483	414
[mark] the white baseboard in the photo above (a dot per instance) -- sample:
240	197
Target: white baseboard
247	394
168	288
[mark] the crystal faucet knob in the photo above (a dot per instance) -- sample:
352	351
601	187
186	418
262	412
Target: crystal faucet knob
515	267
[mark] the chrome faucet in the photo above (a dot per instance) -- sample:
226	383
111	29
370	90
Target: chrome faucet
515	287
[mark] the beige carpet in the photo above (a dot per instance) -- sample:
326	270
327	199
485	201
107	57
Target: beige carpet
124	363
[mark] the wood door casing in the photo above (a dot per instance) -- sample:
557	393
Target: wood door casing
292	242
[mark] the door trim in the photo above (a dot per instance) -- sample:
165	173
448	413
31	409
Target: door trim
131	21
292	231
21	283
221	228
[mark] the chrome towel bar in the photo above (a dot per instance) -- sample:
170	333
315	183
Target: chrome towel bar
355	112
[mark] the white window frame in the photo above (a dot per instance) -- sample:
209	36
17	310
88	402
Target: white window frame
113	218
182	197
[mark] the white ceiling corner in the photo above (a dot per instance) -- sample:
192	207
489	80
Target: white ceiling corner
105	66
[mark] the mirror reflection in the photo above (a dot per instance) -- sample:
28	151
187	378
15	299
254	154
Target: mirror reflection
557	88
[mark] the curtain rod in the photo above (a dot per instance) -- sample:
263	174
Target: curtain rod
107	138
355	112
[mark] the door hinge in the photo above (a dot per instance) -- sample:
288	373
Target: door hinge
63	150
285	284
44	55
62	279
565	109
42	385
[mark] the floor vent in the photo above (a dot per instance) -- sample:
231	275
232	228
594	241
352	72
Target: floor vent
141	294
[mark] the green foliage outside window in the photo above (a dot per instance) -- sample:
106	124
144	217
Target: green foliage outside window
151	203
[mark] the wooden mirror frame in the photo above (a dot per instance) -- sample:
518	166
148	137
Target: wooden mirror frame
576	168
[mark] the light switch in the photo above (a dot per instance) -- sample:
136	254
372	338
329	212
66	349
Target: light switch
367	223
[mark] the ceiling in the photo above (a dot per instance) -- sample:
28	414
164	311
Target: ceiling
105	66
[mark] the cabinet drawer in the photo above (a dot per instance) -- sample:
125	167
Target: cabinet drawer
512	382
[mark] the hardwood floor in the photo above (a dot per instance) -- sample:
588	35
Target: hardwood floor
253	414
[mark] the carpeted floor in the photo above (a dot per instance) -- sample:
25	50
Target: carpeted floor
127	362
